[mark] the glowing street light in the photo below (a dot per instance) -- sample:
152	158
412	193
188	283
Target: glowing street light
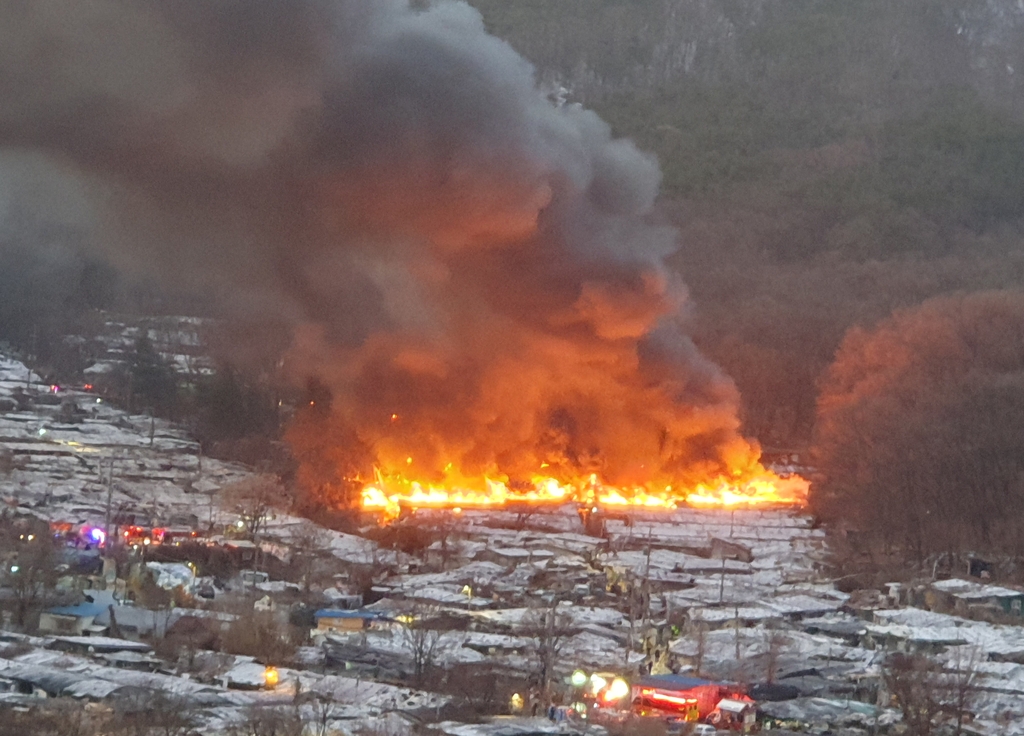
270	677
579	678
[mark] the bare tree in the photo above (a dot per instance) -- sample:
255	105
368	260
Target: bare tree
961	686
30	571
55	717
157	714
638	600
254	499
550	630
308	544
774	643
914	682
423	640
932	697
261	720
445	527
322	712
259	634
186	638
698	629
927	460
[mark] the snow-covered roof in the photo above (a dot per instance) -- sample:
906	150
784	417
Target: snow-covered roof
170	575
969	590
508	726
826	711
914	624
103	643
803	604
246	674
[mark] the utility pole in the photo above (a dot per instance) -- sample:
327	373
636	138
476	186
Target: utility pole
721	583
108	520
646	587
28	376
736	624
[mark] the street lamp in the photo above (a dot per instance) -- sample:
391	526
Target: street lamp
270	677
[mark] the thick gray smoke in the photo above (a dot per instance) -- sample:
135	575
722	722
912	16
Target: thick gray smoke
465	265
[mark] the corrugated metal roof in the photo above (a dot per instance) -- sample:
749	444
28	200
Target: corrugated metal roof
673	682
82	610
342	613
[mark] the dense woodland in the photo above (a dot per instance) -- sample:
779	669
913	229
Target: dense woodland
826	164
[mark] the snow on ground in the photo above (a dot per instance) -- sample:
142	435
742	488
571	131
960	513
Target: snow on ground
499	572
69	448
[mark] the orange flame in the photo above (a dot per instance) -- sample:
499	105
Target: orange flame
389	494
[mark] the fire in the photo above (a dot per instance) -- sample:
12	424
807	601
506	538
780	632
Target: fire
388	494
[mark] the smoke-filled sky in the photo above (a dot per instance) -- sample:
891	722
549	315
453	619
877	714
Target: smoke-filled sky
444	243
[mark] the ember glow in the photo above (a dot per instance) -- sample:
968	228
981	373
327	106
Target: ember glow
389	495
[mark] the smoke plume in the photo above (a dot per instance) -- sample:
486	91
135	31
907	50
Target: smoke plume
469	268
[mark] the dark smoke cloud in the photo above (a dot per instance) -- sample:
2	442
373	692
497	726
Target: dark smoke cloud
444	243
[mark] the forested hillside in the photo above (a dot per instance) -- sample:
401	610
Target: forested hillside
826	162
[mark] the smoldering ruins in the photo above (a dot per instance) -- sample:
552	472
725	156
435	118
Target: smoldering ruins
469	268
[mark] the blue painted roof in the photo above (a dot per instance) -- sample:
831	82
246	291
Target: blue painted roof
81	610
673	682
343	613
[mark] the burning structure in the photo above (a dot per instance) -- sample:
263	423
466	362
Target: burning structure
471	273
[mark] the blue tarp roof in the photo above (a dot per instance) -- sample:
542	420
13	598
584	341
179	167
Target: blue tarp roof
343	613
81	610
673	682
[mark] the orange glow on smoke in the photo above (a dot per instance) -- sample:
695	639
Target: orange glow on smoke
388	494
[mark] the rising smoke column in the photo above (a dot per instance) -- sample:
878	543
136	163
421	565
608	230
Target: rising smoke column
466	266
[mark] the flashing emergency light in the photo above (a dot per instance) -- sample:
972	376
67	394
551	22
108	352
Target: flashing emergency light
617	690
97	535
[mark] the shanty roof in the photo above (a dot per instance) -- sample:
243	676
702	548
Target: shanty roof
102	643
673	682
506	726
59	682
82	610
825	711
733	706
343	613
969	590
